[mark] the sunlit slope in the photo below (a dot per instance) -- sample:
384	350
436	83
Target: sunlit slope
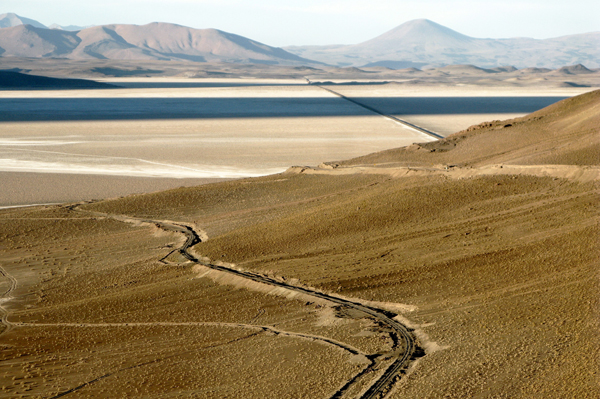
498	275
501	270
567	132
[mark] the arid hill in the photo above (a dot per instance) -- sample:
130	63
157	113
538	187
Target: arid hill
11	19
418	43
493	272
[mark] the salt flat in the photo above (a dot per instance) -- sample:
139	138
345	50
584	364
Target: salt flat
177	129
449	109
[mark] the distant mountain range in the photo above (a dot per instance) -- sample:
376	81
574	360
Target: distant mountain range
10	19
419	43
22	37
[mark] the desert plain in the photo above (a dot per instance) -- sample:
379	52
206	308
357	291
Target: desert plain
337	253
143	134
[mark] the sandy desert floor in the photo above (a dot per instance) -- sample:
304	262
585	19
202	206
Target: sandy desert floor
497	275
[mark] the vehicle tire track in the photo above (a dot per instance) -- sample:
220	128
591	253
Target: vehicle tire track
6	296
261	328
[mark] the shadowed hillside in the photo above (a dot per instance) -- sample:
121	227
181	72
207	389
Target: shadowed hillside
15	80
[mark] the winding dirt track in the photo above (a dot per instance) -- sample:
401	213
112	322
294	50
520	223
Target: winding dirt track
403	350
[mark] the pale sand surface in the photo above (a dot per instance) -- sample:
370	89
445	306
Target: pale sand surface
204	145
459	90
211	148
20	188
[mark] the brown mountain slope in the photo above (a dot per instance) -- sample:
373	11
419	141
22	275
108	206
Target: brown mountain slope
567	132
501	270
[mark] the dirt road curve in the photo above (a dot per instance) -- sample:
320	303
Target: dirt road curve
392	363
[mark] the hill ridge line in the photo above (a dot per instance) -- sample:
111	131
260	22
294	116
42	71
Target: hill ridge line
570	172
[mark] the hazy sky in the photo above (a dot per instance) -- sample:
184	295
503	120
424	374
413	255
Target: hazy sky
301	22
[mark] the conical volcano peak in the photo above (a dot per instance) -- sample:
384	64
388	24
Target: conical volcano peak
420	30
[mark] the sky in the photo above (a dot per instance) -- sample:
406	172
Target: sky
319	22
